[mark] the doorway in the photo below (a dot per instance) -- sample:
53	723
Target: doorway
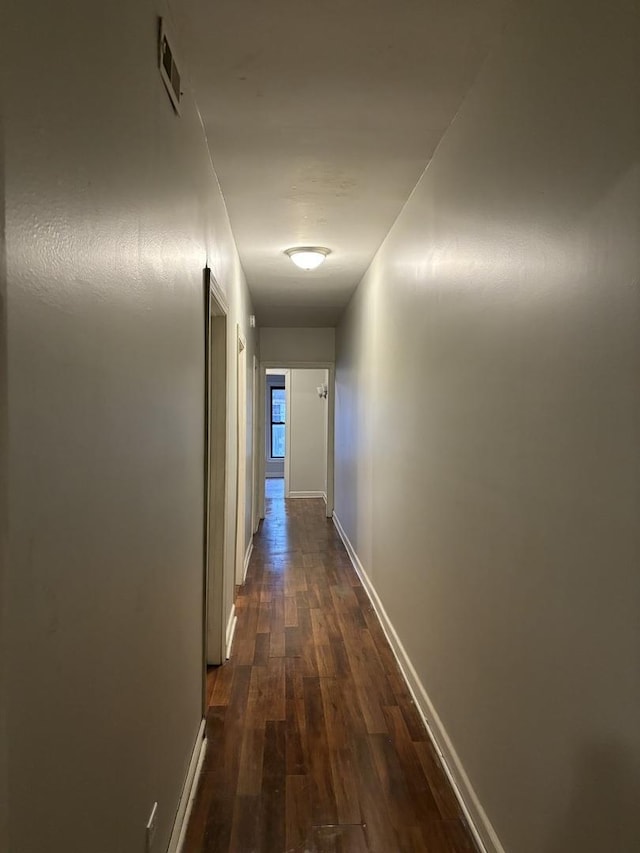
297	431
255	378
242	552
275	428
215	456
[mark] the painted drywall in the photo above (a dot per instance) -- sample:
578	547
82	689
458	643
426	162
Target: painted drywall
272	467
487	466
307	433
112	211
287	345
4	843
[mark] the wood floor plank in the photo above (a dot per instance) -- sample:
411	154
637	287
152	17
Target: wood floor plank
277	614
272	801
290	612
371	694
323	801
276	690
264	618
261	649
422	795
446	837
221	678
380	833
298	813
307	647
448	806
314	742
292	643
233	726
218	824
246	825
277	646
322	645
195	838
339	736
251	757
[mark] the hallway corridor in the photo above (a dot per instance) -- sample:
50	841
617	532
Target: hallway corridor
314	744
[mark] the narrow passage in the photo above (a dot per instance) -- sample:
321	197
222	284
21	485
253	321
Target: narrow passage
315	745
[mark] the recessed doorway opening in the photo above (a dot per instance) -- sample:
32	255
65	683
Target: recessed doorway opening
297	433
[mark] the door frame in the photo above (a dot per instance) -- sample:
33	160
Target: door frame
255	517
241	547
215	473
289	365
266	450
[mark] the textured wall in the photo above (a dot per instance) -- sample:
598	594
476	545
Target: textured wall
3	511
487	430
308	418
309	344
112	211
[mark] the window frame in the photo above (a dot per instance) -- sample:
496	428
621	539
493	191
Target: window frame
273	423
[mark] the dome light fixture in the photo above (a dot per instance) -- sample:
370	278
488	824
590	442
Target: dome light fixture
308	257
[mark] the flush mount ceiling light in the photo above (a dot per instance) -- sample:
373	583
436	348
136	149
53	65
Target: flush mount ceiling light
308	257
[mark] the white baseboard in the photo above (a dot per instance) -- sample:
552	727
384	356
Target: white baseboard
231	630
306	495
479	823
247	557
188	792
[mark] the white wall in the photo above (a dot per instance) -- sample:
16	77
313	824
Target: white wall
307	434
112	211
487	466
4	843
308	344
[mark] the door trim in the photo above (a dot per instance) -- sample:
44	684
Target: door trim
241	463
255	518
215	474
289	365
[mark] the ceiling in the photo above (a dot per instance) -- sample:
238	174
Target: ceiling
321	117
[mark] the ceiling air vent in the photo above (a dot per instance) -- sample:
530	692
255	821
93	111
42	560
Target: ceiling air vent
168	69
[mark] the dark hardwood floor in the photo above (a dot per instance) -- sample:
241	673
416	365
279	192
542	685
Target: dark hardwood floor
315	745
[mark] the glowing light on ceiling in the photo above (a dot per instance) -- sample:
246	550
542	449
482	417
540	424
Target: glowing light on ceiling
308	257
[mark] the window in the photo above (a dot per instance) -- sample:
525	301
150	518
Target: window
278	417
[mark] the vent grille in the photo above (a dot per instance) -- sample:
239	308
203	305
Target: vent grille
168	69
